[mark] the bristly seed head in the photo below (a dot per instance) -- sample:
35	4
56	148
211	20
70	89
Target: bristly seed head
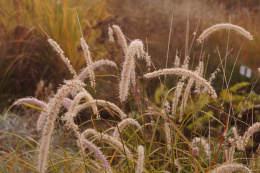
228	26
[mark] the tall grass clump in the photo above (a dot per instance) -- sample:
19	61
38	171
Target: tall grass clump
24	47
193	128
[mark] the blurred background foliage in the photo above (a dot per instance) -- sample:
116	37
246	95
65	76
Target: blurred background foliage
26	58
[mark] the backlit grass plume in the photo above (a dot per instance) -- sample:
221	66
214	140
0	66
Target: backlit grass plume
231	152
85	72
87	56
88	61
233	167
177	60
198	71
166	111
241	141
185	97
176	97
121	38
108	139
87	96
52	114
97	152
104	103
123	124
228	26
186	73
57	48
110	34
168	136
140	161
135	48
68	118
31	101
66	102
134	135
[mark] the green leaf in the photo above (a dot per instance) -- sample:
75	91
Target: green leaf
34	107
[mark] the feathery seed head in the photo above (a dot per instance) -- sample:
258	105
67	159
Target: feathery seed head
54	108
213	75
110	34
88	61
55	46
168	136
108	139
231	152
186	62
228	26
231	167
185	97
101	103
98	153
176	97
66	102
166	107
140	161
148	60
185	73
85	72
86	51
135	48
31	101
40	120
177	60
121	38
124	123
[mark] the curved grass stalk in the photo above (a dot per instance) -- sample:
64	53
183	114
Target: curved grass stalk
100	103
108	139
85	72
97	152
220	26
123	124
186	73
88	97
54	108
231	167
66	102
31	101
69	119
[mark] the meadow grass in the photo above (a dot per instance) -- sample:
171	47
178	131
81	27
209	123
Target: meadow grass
192	129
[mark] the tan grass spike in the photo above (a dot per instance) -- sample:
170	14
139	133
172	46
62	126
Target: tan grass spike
228	26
